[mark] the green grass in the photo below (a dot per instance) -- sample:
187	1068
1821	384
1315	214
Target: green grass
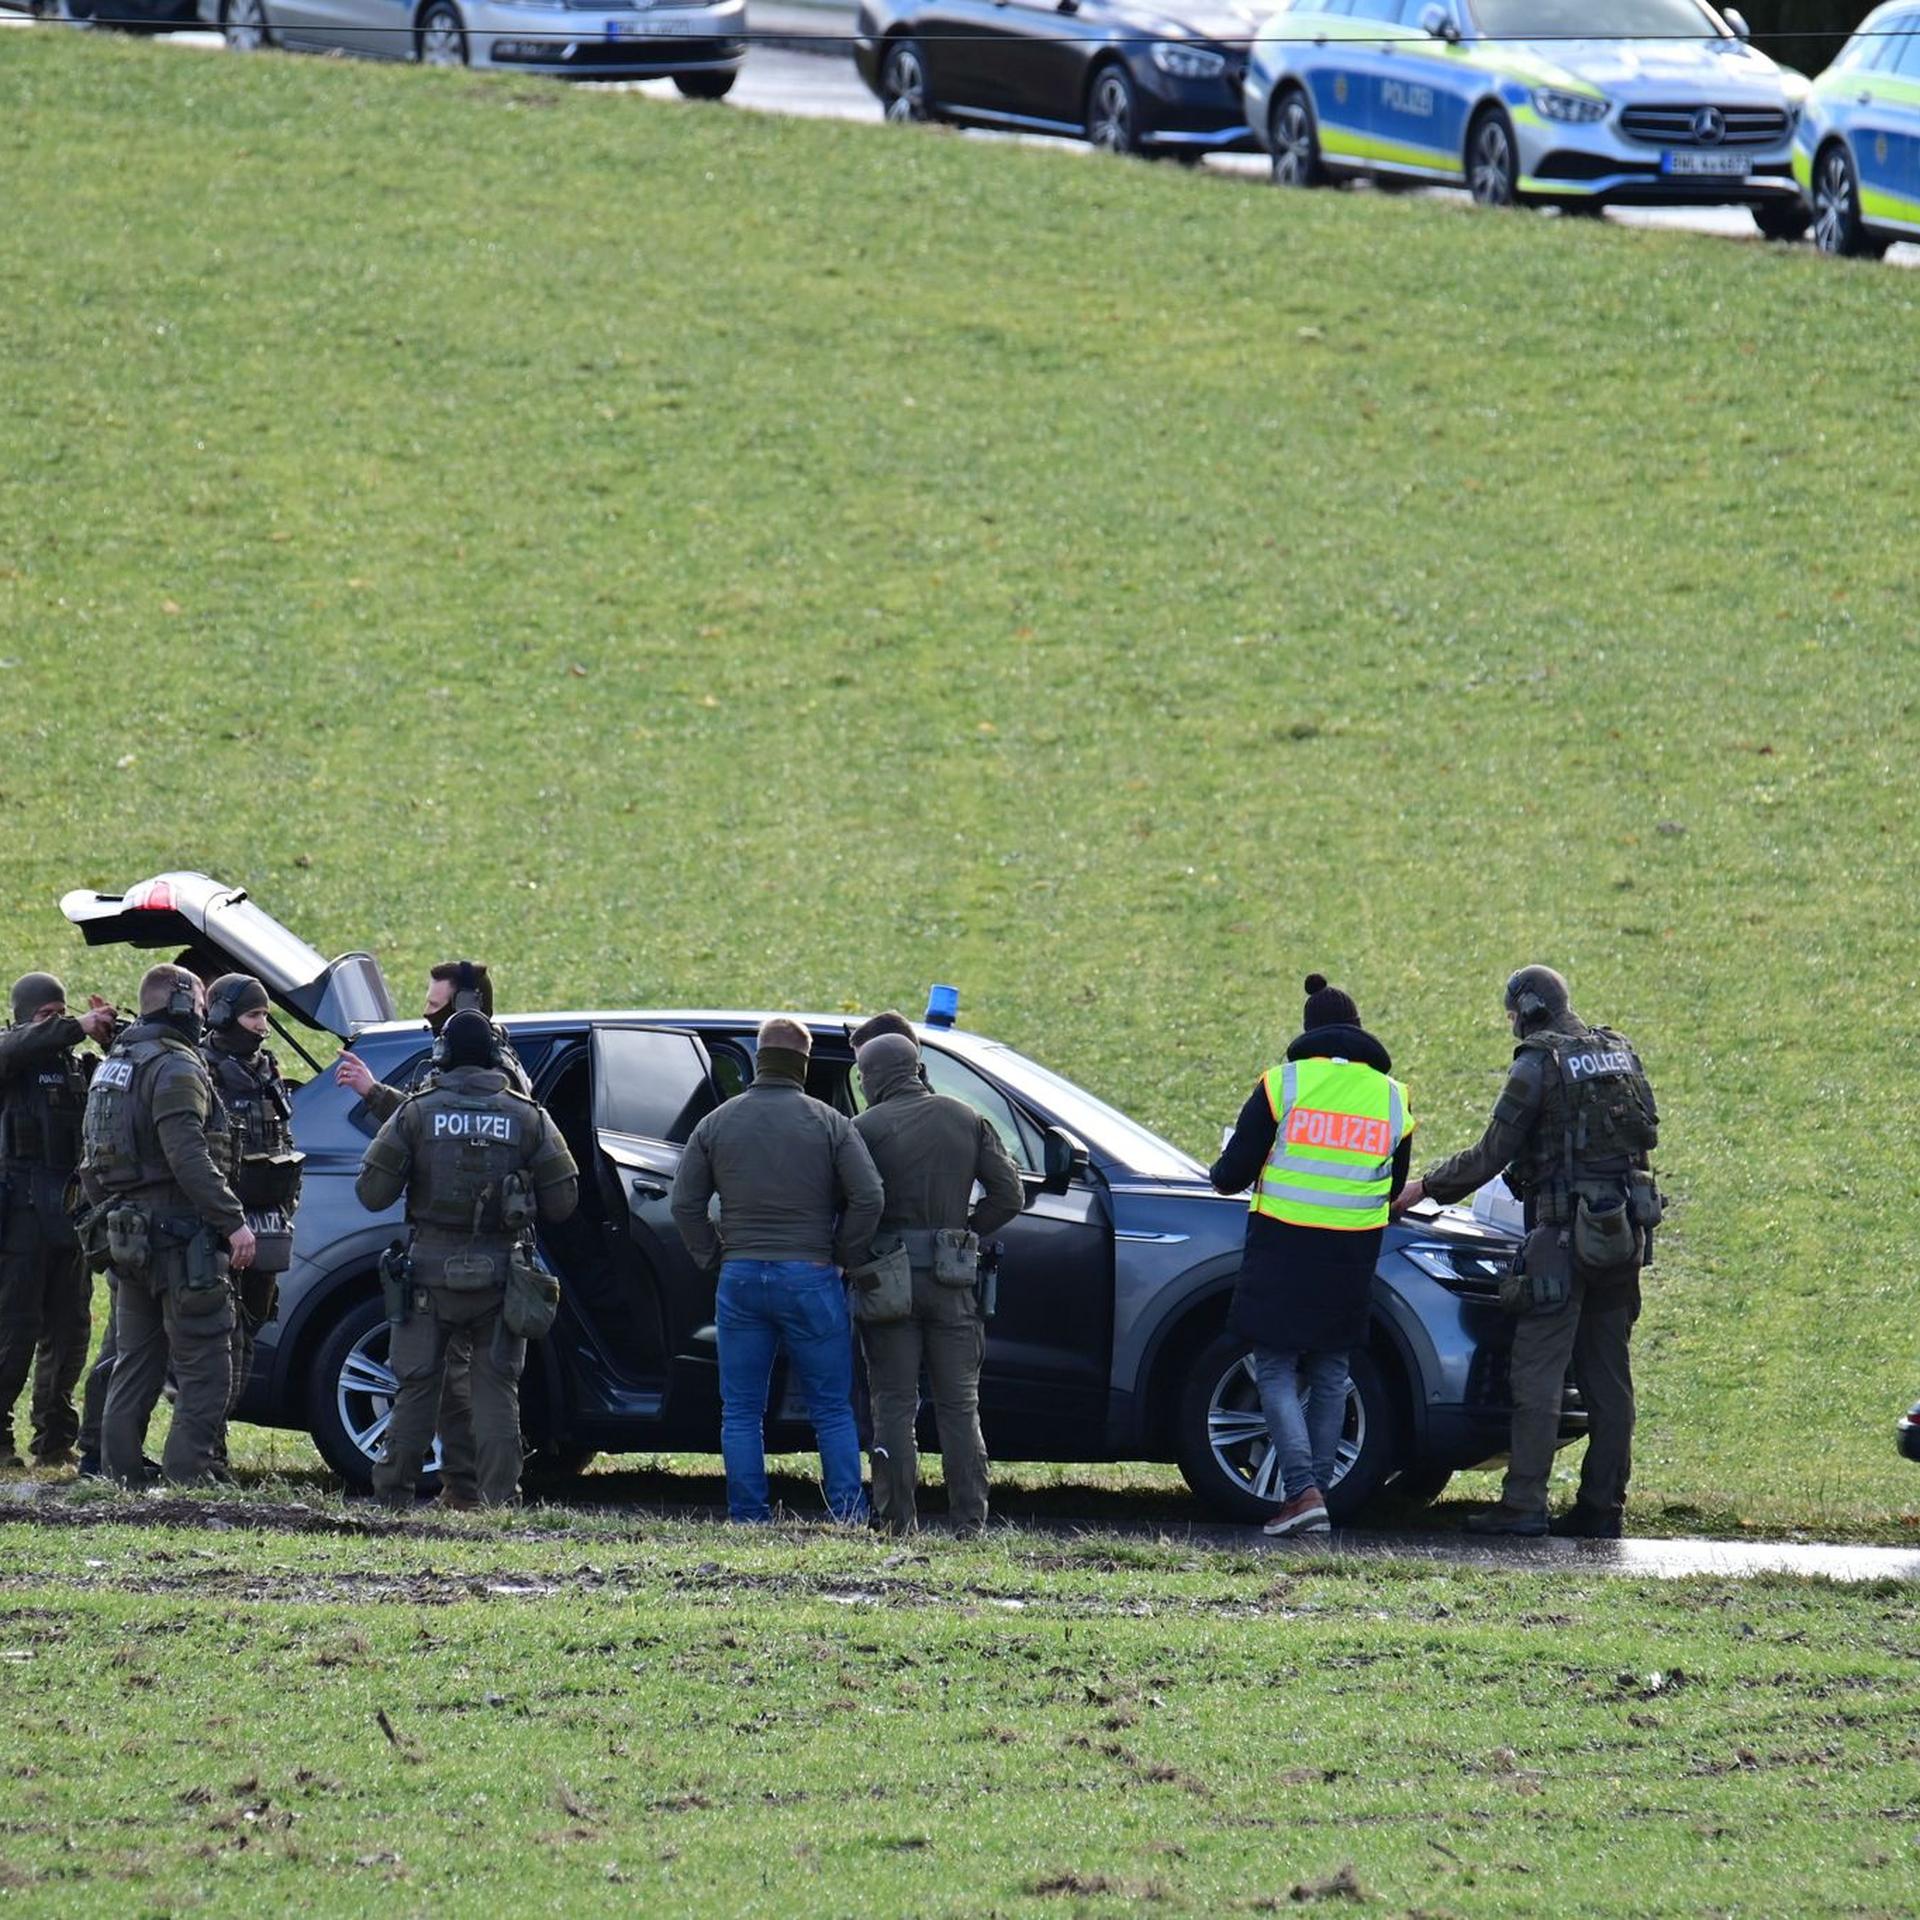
602	1716
687	556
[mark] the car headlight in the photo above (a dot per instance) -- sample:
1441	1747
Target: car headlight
1188	63
1551	104
1461	1269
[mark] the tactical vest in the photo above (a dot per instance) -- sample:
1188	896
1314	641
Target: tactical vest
40	1115
119	1141
1598	1121
258	1109
465	1145
1340	1123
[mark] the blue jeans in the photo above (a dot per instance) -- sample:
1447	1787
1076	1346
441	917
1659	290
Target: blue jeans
761	1306
1304	1396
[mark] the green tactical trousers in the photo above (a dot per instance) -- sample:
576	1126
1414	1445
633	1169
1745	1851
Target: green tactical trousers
418	1353
46	1296
151	1331
1590	1332
947	1333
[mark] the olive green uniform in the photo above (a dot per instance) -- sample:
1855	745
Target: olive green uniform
474	1159
45	1289
1576	1119
930	1149
459	1471
266	1179
156	1154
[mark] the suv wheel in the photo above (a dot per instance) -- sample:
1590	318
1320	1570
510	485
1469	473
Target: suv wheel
350	1396
713	85
1113	112
903	84
442	39
244	23
1296	143
1221	1439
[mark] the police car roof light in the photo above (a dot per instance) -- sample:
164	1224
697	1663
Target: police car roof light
943	1006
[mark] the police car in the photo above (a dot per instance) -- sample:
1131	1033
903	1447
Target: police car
1553	102
1856	153
1110	1339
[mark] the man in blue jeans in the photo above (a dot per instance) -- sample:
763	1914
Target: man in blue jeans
799	1200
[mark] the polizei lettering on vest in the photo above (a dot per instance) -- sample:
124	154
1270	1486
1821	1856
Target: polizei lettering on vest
1590	1066
114	1073
474	1126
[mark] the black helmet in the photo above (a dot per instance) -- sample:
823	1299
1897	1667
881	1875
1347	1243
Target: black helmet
232	995
1537	993
467	1040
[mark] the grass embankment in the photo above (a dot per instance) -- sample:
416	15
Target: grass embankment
602	1716
691	557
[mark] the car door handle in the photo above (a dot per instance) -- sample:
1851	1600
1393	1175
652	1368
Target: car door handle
1863	99
649	1189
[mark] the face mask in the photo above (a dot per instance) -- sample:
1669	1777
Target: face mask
242	1042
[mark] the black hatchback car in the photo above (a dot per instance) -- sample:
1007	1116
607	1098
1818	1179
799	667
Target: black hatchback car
1127	75
1109	1342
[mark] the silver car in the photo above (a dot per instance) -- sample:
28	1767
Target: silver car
1557	102
699	46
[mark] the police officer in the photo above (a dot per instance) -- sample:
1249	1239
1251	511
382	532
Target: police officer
1572	1130
266	1169
453	986
929	1149
45	1289
476	1160
156	1149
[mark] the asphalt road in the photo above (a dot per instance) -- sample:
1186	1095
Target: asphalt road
820	84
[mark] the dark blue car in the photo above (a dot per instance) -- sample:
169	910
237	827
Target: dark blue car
1109	1342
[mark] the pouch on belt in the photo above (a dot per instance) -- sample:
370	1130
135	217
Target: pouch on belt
956	1256
1604	1234
883	1288
533	1298
1541	1277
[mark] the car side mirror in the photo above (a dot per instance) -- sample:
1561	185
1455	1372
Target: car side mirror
1063	1160
1068	6
1438	24
1738	22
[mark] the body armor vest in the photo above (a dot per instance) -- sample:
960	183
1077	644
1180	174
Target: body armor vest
265	1169
1598	1121
40	1114
119	1140
467	1147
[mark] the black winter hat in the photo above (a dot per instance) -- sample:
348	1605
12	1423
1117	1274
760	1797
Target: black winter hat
31	992
1328	1006
232	995
467	1040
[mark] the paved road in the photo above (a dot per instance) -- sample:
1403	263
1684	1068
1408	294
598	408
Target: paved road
821	84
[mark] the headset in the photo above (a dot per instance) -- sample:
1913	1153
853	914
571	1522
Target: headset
466	989
495	1058
1523	1000
180	1000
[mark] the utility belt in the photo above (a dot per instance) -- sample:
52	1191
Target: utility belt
1604	1227
177	1251
883	1283
530	1296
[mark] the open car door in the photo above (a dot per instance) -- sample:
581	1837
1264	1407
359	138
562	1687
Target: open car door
651	1087
225	932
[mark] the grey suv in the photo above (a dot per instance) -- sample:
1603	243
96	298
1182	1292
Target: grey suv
1109	1342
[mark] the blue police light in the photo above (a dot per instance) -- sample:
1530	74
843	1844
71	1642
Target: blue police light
943	1004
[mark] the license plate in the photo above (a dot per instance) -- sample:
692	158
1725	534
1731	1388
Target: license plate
1717	166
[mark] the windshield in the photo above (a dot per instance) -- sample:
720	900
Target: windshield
1580	19
1105	1129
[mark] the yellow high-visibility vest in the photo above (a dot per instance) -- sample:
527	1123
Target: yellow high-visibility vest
1339	1125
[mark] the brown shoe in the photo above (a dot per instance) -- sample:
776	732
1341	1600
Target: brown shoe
1306	1512
448	1501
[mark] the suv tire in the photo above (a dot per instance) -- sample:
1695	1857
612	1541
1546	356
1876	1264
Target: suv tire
349	1390
1221	1443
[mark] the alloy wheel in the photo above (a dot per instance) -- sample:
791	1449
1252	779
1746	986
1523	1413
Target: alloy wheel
1490	168
1295	150
246	26
367	1390
1835	217
1242	1449
1110	118
443	41
904	86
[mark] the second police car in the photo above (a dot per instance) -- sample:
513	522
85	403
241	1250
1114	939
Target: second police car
1857	151
1555	102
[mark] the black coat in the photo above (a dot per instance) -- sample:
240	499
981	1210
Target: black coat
1302	1289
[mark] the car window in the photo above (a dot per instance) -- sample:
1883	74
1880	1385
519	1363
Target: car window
955	1078
1385	11
1570	19
649	1082
1906	49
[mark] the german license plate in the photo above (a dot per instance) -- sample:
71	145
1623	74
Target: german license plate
1712	166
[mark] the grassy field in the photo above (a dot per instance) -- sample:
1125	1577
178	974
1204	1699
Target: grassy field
609	1718
684	556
